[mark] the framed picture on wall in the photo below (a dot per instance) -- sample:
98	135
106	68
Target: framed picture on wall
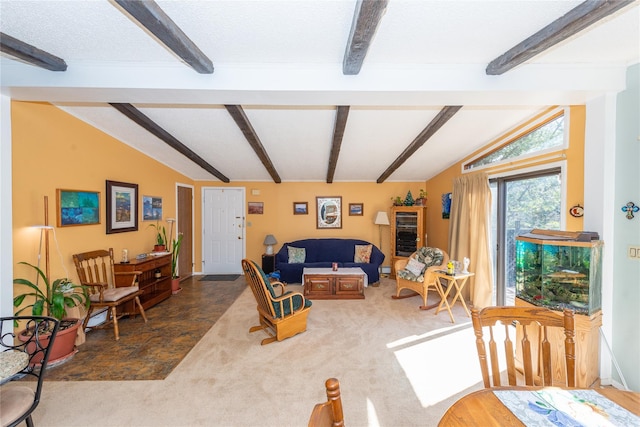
329	212
151	208
300	208
446	205
255	208
122	207
356	209
77	207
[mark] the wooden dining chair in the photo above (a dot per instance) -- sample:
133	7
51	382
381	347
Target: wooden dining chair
528	327
95	270
329	413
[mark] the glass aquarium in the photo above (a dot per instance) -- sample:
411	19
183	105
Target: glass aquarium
559	270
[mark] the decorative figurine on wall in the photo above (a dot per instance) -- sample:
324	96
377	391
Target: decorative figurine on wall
630	208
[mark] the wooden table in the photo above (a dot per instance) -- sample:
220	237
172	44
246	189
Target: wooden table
457	281
484	409
325	283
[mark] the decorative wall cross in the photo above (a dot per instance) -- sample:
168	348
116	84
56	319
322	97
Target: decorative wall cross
630	208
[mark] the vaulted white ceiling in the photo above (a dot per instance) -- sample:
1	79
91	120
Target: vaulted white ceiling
281	61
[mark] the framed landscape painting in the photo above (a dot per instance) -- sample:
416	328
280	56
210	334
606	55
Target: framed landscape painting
356	209
300	208
122	207
77	207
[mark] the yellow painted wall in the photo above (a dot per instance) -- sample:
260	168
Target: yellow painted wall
52	149
574	155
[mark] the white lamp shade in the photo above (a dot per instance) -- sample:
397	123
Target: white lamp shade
381	218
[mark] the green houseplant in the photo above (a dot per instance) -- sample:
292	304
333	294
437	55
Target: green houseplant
53	299
161	237
175	251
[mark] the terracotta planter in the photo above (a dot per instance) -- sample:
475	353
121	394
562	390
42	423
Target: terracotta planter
175	285
64	346
159	248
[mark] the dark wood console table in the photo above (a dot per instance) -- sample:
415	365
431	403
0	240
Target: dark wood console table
156	289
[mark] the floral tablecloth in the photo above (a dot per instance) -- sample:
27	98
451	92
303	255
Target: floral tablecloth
566	408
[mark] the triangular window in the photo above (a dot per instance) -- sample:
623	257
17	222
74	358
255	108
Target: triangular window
544	137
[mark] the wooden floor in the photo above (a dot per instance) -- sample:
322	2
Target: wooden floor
150	351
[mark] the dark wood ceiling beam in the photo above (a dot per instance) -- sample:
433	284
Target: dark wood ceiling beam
31	54
574	21
342	112
443	117
152	127
250	134
154	19
366	18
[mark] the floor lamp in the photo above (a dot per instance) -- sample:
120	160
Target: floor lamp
381	219
44	230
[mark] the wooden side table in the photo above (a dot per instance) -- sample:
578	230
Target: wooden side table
456	281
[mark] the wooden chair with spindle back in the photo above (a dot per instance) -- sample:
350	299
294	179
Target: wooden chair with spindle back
95	270
281	314
532	324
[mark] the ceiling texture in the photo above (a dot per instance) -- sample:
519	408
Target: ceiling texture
313	90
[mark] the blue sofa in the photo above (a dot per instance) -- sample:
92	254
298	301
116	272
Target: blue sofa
321	253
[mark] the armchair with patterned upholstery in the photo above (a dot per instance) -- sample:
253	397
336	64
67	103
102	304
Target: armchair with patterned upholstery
416	274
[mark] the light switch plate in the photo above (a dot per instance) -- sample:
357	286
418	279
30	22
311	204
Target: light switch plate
634	252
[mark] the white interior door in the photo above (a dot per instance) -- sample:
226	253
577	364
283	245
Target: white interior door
223	231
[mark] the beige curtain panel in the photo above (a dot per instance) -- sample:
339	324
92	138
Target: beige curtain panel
470	234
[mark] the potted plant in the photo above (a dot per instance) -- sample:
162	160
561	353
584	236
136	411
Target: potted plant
53	301
175	251
161	238
397	201
422	198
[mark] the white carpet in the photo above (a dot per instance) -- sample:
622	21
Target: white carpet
397	365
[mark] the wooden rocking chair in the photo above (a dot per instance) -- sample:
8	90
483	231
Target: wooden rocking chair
280	316
95	270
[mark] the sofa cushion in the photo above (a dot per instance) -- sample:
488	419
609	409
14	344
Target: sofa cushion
429	256
362	253
414	266
297	255
407	275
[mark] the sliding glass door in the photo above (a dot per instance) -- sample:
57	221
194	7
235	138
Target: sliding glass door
520	204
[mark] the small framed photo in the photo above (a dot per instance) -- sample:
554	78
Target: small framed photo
151	208
255	208
356	209
300	208
77	207
122	207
